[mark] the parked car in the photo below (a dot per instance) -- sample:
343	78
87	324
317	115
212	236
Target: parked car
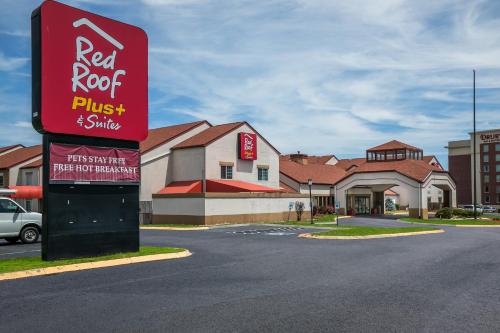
18	224
489	209
479	208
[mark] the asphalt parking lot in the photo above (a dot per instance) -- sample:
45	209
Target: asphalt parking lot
265	279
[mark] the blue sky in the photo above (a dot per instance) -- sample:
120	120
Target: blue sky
316	76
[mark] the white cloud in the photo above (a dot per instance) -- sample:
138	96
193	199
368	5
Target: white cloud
11	63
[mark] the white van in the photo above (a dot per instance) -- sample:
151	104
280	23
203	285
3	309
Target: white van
16	223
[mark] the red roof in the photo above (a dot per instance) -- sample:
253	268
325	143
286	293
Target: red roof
347	163
159	136
6	148
208	136
214	185
35	164
287	189
415	169
19	156
394	144
311	159
319	173
390	192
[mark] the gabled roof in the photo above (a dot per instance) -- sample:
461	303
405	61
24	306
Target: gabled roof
162	135
347	163
394	144
214	133
35	164
319	173
428	160
321	159
6	148
19	156
415	169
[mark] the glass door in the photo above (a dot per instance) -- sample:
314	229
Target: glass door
362	204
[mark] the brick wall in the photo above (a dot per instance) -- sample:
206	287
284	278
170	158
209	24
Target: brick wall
459	167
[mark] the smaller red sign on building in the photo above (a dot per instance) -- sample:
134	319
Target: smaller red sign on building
248	146
93	164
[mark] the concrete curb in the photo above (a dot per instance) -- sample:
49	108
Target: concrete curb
401	234
92	265
174	228
454	225
476	226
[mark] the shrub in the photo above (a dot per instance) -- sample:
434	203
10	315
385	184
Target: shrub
315	210
330	210
322	210
444	213
448	213
397	206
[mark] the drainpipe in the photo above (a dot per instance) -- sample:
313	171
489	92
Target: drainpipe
419	200
203	173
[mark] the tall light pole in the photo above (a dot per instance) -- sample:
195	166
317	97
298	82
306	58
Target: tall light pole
474	139
310	182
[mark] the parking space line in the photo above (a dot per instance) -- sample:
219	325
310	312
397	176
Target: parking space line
5	254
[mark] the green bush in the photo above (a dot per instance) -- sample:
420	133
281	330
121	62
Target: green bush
448	213
444	213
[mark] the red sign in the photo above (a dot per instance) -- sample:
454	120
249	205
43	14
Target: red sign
94	75
248	146
93	164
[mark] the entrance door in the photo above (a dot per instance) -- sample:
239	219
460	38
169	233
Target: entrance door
362	205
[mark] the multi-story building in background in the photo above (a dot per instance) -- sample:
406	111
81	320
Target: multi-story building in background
461	167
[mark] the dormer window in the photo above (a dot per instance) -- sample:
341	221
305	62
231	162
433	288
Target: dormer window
393	151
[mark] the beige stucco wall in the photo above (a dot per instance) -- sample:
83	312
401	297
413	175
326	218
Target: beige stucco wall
225	149
14	176
156	172
187	164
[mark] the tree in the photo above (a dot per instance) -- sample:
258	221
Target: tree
389	204
299	209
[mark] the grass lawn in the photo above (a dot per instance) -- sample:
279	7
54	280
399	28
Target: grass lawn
452	222
367	231
21	264
172	225
317	221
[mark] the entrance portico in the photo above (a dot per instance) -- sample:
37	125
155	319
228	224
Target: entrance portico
363	192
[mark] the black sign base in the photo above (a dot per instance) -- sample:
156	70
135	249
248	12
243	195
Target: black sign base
84	220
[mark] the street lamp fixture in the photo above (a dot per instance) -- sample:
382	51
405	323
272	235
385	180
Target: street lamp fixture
309	183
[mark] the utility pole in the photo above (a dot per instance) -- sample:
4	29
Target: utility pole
474	140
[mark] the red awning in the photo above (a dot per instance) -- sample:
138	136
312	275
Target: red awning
26	192
223	185
215	185
190	186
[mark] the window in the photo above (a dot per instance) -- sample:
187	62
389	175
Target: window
29	178
370	156
486	158
498	178
498	198
486	188
486	178
1	179
400	154
28	205
497	168
226	172
498	189
497	157
487	199
390	155
7	206
486	148
380	156
486	168
497	147
262	173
